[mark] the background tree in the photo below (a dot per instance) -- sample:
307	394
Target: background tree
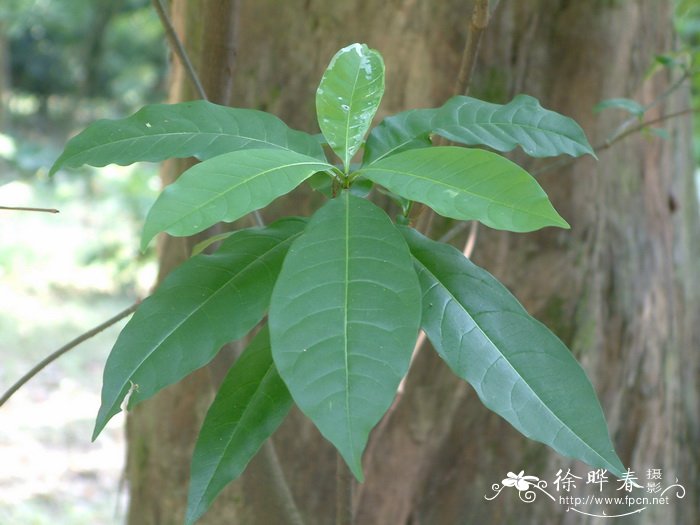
620	288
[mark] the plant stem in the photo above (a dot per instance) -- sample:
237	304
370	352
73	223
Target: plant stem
279	482
477	25
343	492
65	348
617	137
178	48
22	208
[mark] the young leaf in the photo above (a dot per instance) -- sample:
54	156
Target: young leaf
522	122
627	104
344	316
189	129
206	302
226	188
251	403
519	369
468	184
347	98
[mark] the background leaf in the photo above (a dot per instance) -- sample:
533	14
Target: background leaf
522	122
203	304
519	369
629	105
468	184
348	96
251	403
226	188
343	320
189	129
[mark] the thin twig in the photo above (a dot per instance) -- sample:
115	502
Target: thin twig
478	24
453	232
65	348
677	84
22	208
471	239
608	143
259	221
281	487
617	137
179	49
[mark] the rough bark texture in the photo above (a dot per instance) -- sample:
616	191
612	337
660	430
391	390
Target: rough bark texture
620	288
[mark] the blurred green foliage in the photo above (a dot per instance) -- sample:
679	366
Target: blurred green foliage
87	48
67	63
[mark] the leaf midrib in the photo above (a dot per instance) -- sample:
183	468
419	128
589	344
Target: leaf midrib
457	188
240	183
243	270
346	297
479	123
481	330
254	397
167	135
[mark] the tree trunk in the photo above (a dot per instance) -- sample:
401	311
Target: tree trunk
620	288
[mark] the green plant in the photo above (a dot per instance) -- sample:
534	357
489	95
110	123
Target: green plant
347	290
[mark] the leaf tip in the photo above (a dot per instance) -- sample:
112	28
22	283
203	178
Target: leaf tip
561	223
193	514
146	238
356	470
99	426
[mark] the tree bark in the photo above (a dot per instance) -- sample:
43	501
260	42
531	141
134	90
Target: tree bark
620	288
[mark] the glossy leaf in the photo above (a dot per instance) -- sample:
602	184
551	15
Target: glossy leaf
519	369
468	184
522	122
190	129
206	302
251	403
343	320
347	98
226	188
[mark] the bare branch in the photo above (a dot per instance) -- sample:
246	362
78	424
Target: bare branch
279	482
617	137
478	24
178	48
22	208
65	348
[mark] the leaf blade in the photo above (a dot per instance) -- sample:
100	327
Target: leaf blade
627	104
343	319
198	129
468	184
488	339
344	115
522	122
191	310
226	188
251	403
